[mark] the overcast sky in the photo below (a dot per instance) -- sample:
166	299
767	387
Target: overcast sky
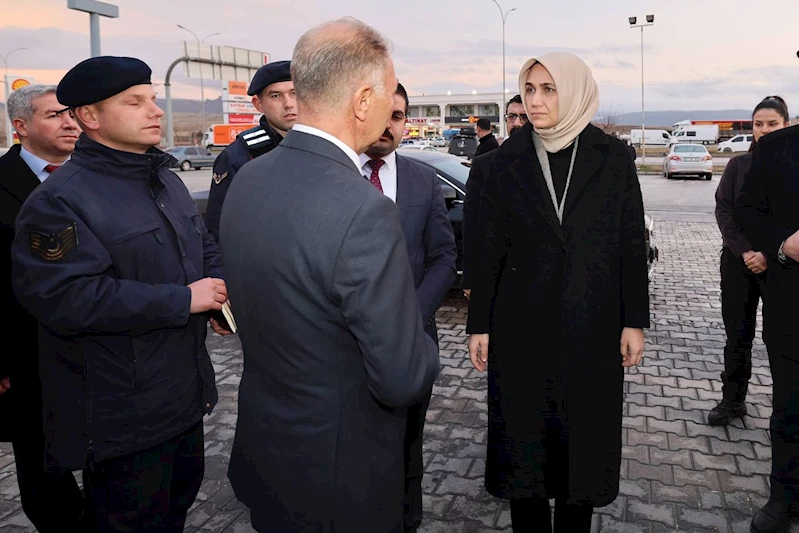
700	54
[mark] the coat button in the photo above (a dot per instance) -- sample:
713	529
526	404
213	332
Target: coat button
162	206
207	405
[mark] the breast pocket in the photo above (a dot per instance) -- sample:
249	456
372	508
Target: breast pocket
142	254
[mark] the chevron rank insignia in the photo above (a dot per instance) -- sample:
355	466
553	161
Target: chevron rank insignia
53	247
219	177
255	137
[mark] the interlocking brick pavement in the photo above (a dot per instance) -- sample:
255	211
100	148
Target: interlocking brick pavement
678	474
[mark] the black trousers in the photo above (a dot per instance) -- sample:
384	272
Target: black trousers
781	336
741	291
414	465
532	515
147	491
52	502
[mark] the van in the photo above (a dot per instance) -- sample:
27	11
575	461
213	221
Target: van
739	143
653	137
704	134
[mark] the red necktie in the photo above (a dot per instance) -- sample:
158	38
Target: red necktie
375	164
51	168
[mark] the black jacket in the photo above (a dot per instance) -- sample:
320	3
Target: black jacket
103	253
486	144
21	402
729	186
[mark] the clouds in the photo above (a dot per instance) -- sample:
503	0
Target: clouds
448	45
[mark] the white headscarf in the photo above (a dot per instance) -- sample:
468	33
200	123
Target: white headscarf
578	97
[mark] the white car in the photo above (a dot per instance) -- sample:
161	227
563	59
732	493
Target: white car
688	159
739	143
440	142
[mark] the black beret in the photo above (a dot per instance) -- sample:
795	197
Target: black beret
98	78
269	74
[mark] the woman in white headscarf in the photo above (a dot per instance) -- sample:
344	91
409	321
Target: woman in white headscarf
558	309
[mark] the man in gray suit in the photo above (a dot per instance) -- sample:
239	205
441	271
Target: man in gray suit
432	251
335	347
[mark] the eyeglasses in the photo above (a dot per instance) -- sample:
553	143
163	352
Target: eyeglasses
398	116
511	117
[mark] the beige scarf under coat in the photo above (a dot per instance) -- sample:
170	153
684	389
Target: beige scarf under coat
578	97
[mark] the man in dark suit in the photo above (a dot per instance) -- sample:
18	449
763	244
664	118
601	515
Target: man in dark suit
487	142
431	247
766	212
515	118
47	134
320	283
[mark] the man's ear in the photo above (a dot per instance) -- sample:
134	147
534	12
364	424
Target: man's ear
87	117
256	102
20	126
362	101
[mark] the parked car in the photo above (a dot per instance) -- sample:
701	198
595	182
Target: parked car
688	159
464	144
426	147
453	172
407	142
439	142
739	143
189	157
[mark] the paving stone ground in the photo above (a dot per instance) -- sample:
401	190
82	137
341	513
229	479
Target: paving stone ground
678	474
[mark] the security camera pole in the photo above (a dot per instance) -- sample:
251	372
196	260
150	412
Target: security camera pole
650	19
95	10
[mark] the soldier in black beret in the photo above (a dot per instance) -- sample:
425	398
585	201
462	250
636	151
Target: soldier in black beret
272	94
112	258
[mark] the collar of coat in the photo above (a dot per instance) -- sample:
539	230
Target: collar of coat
100	158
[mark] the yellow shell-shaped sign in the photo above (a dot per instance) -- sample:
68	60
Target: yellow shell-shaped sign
19	83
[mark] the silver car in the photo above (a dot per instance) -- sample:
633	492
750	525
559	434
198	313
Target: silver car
688	159
189	157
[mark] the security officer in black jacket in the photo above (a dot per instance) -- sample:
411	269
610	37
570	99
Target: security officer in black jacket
112	258
765	209
272	94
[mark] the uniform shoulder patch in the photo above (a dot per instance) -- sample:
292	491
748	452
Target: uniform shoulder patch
255	137
53	246
218	177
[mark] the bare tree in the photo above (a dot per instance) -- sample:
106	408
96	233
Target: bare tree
607	119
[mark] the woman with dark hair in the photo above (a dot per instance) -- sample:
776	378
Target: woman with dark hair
562	297
742	271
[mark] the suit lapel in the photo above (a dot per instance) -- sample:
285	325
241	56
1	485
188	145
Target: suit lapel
403	187
16	177
590	158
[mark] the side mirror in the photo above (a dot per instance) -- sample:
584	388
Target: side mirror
448	192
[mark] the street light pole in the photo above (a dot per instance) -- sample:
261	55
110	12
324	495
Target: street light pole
9	135
95	10
202	84
504	16
650	19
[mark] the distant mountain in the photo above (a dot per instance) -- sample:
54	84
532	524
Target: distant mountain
667	119
182	105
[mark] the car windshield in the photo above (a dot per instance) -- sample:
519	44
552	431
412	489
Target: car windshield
455	168
689	148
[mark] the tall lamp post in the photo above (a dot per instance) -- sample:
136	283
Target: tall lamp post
504	15
95	10
9	135
202	85
650	19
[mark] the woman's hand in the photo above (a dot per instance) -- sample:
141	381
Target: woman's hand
632	346
478	351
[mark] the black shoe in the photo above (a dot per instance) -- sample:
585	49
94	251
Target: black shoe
774	517
725	412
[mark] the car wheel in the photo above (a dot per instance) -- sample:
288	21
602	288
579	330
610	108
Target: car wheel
186	165
727	149
709	176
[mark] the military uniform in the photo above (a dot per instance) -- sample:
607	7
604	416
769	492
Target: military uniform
103	253
248	145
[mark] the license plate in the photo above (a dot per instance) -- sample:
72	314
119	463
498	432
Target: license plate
692	159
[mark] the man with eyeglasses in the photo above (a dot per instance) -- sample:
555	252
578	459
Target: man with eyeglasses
432	251
47	133
515	118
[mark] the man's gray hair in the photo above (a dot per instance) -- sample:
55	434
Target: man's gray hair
332	59
20	102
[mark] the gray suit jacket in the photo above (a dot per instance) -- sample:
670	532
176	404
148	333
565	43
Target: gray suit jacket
428	236
334	344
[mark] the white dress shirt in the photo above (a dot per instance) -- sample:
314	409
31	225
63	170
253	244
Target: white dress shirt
324	135
387	173
36	163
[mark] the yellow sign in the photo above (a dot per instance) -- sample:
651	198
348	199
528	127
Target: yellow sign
472	120
19	83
